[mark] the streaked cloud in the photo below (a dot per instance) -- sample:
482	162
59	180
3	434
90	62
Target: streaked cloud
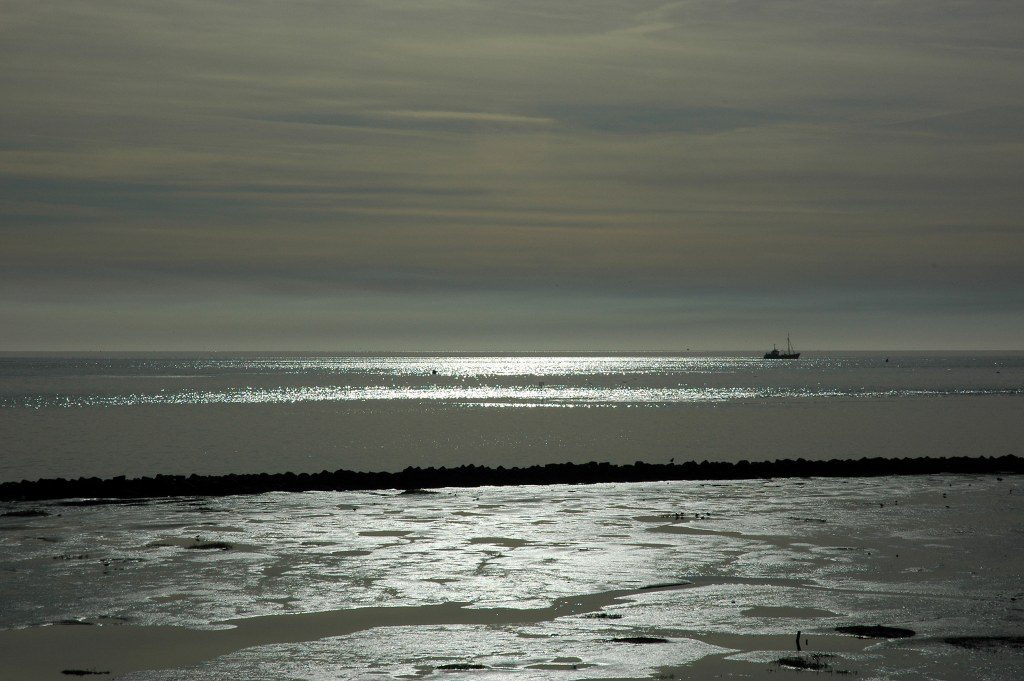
559	155
464	117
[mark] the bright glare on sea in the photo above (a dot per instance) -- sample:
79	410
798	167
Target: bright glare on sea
139	415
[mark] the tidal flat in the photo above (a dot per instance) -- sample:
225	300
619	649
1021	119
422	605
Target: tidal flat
681	579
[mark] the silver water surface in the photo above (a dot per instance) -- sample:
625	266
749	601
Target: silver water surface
145	414
758	560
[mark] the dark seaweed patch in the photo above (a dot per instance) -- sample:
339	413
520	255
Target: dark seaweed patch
81	672
210	546
876	631
812	663
815	662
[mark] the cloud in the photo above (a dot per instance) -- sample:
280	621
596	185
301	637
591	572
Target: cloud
997	123
465	117
653	117
585	151
418	120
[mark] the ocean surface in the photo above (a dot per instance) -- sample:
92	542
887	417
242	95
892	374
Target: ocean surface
64	416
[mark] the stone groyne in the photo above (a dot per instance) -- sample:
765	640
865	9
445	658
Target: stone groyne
476	476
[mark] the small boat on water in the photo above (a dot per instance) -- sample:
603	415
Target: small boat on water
778	354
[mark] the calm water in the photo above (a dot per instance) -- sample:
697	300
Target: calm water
71	416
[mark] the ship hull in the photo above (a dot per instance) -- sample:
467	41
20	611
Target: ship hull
795	355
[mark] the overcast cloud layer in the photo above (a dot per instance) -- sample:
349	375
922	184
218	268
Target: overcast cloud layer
517	174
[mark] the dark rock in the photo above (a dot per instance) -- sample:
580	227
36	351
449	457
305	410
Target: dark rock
120	490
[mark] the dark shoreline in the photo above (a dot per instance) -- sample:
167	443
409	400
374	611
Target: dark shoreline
477	476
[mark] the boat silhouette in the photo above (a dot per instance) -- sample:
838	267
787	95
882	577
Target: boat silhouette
778	354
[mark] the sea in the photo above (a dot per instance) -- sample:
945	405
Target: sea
742	579
142	414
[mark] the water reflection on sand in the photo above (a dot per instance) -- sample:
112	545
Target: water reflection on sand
521	582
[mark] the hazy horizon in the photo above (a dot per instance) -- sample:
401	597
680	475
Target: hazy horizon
486	352
542	174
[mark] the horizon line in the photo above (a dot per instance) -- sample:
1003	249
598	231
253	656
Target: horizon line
449	351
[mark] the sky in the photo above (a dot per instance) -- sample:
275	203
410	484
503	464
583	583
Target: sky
511	175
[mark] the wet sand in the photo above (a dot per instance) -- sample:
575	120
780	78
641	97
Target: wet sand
524	582
44	652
